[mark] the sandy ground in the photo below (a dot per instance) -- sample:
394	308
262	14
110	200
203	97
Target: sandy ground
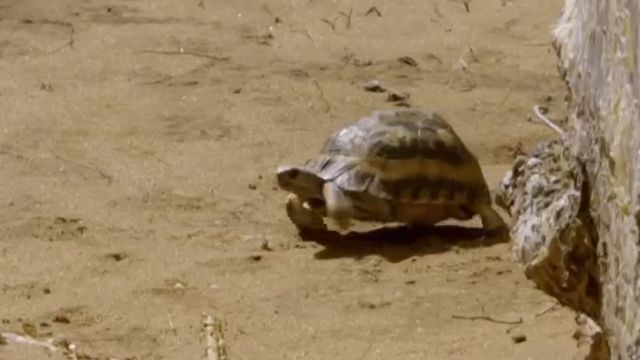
138	143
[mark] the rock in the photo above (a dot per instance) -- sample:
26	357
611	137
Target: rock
518	338
255	258
374	86
61	319
550	231
394	96
584	249
407	60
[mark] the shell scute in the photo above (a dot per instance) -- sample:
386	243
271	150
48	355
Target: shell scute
403	155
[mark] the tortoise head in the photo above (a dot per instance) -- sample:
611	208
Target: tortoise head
300	181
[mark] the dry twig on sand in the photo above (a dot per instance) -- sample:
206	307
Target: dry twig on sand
181	51
373	10
326	103
216	348
347	16
68	25
486	317
548	309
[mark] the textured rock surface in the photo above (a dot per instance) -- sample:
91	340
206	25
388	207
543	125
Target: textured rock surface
551	230
597	44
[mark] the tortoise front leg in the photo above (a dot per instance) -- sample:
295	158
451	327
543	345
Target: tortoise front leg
339	207
302	216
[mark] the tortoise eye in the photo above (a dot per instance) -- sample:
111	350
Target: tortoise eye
294	174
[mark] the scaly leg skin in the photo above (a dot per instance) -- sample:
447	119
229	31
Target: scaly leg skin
338	206
302	216
492	223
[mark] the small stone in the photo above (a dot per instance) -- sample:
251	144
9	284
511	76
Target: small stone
46	291
61	319
408	61
362	63
397	96
367	304
46	87
117	256
374	86
175	284
265	245
30	329
518	338
462	85
252	186
255	257
410	282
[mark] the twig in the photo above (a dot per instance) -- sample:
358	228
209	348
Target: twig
466	5
214	338
332	24
71	40
264	39
306	32
373	10
347	59
168	78
78	164
72	31
485	317
546	120
173	328
488	318
326	103
550	308
536	44
348	16
182	52
505	98
482	308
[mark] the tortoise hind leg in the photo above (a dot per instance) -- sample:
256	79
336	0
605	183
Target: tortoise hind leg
491	221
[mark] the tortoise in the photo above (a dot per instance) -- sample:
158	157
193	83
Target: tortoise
401	165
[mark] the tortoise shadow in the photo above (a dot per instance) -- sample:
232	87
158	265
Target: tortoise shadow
399	243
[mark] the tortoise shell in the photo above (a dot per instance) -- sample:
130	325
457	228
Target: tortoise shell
408	155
